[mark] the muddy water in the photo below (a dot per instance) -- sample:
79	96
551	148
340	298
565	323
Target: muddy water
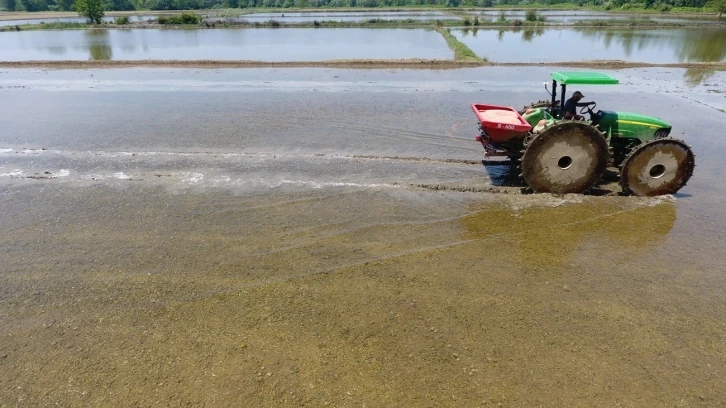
199	246
656	46
264	44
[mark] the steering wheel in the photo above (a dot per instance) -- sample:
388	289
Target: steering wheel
588	108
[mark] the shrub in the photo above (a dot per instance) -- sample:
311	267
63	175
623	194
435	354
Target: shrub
184	18
665	7
316	23
439	23
467	22
608	5
531	15
476	20
517	22
275	23
122	20
190	18
502	16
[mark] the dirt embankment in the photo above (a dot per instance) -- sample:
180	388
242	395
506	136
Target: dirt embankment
354	64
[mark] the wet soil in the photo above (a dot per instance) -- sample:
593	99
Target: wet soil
133	297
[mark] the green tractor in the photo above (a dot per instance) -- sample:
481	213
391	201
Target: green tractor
562	156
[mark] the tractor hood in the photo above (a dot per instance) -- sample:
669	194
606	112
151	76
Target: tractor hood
632	125
629	118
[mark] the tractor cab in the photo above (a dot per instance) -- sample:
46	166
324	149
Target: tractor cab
626	125
576	78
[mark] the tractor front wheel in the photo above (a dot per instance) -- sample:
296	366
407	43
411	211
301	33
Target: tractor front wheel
658	167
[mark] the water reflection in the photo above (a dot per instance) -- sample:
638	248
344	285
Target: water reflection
706	45
692	46
527	33
98	45
582	44
549	236
695	77
571	16
290	44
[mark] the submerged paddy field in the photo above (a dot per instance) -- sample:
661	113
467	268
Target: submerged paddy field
272	237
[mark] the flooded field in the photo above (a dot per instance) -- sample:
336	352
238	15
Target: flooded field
571	16
309	17
566	19
264	44
266	237
655	46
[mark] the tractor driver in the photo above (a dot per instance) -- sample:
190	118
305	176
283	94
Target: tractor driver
571	105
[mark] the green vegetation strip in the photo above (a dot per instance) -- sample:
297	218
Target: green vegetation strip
180	22
461	51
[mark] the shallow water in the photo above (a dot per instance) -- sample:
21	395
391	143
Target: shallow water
577	15
264	44
654	46
259	237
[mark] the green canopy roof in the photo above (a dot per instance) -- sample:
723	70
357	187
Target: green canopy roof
583	78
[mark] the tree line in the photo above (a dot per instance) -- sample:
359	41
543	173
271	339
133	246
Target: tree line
131	5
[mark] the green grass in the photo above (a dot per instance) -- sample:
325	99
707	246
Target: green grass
461	51
47	26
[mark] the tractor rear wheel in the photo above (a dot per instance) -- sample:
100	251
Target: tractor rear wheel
569	157
658	167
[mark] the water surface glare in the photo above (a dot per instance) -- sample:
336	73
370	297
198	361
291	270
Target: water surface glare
262	44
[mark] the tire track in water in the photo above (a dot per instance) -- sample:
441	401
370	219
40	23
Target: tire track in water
14	152
398	134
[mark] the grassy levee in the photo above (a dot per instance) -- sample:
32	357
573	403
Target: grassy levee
47	26
461	51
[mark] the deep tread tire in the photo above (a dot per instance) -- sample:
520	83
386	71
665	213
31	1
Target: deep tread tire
568	157
657	167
